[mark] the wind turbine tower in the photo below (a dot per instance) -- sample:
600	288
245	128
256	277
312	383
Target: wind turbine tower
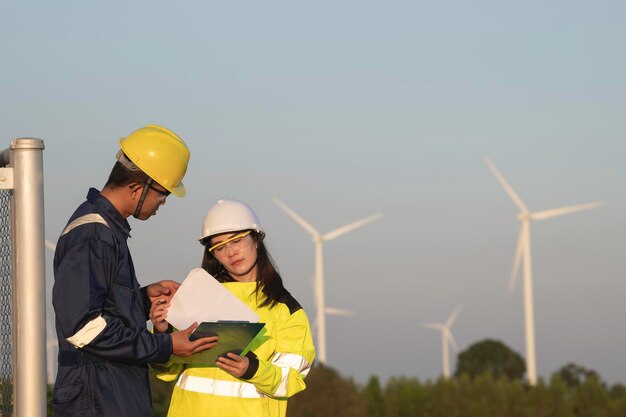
446	339
319	239
51	352
522	253
52	345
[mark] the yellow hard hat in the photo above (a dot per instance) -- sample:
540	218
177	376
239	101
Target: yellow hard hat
161	154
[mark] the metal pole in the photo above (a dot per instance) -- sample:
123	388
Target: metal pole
29	278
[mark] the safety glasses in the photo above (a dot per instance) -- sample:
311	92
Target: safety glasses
235	240
150	186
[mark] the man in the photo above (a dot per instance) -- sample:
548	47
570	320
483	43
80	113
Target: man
101	312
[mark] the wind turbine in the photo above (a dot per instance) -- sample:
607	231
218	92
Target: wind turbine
523	253
319	239
51	245
51	340
51	346
446	339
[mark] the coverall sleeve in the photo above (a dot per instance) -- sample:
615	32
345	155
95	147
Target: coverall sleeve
82	286
283	374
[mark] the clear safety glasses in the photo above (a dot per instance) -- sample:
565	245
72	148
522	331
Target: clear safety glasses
164	193
234	242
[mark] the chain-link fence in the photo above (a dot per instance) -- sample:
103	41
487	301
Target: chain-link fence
6	348
22	277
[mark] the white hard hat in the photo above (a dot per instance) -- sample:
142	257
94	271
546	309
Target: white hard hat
230	216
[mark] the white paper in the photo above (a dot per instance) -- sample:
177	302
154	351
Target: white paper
202	298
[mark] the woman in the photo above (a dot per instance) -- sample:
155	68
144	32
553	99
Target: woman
259	383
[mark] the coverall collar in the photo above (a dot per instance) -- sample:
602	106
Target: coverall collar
113	217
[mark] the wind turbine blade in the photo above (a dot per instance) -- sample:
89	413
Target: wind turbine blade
339	312
546	214
349	227
453	316
519	251
51	245
435	326
297	218
452	341
509	190
49	334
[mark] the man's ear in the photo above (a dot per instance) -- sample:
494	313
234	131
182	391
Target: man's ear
133	189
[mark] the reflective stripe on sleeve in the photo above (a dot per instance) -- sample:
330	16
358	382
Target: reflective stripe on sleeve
88	332
286	361
87	218
217	387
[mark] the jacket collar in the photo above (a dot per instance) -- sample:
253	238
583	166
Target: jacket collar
108	210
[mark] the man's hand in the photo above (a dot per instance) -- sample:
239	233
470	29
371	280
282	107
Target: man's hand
166	288
182	346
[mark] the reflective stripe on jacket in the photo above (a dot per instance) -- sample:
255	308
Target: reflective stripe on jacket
285	354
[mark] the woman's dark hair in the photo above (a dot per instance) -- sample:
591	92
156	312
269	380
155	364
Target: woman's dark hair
269	280
121	176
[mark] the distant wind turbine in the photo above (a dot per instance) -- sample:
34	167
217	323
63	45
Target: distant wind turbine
322	310
51	341
523	253
51	346
51	245
446	339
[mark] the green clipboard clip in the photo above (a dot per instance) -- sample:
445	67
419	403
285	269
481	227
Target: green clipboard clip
232	336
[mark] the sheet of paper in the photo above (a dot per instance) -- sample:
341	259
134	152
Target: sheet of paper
201	298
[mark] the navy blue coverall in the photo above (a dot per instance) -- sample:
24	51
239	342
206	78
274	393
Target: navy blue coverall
95	285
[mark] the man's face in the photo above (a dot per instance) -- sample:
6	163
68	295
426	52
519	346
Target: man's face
155	197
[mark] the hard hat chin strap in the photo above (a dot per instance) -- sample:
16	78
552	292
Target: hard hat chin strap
146	187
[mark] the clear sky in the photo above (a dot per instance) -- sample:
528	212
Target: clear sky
346	109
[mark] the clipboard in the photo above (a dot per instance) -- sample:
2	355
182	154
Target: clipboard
233	336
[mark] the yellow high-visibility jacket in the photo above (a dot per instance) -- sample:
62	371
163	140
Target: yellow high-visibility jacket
285	356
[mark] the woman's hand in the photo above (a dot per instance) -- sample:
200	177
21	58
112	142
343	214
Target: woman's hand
158	314
233	364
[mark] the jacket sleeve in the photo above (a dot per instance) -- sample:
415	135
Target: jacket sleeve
283	374
169	371
83	282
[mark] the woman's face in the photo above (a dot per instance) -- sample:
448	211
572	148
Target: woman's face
238	256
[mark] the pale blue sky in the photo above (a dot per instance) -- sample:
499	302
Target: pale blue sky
344	109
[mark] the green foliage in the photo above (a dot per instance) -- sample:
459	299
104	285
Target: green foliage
6	397
161	395
617	390
574	375
327	395
404	397
374	398
493	357
484	395
49	409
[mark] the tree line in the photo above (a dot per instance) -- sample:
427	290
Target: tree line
488	382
